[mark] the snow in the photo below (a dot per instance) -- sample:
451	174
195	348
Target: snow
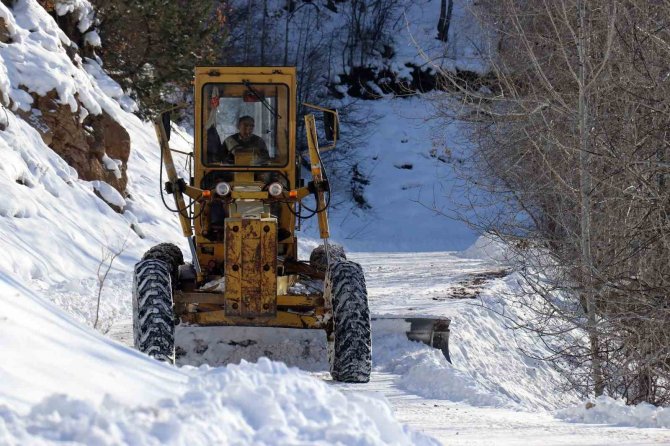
36	60
66	382
467	47
485	248
406	203
45	351
112	165
62	381
607	410
491	364
109	194
426	372
83	10
108	86
83	388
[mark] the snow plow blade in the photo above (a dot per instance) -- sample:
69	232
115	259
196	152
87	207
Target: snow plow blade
432	331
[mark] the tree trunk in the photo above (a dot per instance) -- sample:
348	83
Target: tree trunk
444	22
585	187
264	33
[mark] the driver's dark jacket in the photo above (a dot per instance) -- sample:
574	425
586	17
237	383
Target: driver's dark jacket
235	143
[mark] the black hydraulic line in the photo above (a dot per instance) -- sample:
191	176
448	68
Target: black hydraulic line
183	211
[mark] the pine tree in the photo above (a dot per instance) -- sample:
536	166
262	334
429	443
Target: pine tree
151	46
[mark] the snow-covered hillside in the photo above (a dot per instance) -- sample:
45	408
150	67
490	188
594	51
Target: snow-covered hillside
410	184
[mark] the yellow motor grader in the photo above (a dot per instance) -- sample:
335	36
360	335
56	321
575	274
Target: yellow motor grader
239	211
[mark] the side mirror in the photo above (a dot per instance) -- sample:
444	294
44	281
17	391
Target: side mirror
331	124
166	121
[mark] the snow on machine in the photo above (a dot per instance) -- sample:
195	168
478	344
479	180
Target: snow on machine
245	199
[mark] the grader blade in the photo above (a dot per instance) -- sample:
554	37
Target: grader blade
432	331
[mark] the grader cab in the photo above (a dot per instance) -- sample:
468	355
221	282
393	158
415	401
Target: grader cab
239	210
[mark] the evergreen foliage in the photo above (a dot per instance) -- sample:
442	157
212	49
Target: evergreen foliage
151	46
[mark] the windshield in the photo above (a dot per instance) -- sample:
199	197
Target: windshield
245	124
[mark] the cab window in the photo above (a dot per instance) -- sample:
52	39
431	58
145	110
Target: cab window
245	125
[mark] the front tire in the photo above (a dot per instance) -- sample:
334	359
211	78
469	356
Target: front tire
318	260
351	352
170	254
153	317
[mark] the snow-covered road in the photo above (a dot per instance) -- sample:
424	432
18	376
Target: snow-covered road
423	283
456	423
491	394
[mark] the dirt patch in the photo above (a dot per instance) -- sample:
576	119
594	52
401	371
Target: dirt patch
471	286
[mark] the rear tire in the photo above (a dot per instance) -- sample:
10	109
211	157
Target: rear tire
153	317
351	352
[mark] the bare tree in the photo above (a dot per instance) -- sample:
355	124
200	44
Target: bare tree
569	170
107	257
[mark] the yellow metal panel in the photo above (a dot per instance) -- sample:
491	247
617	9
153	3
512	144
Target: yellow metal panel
250	195
251	264
233	266
251	268
268	266
244	177
251	229
283	319
181	297
317	174
312	300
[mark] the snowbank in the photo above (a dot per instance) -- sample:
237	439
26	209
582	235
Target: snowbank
425	371
260	404
62	382
607	410
45	351
485	248
492	364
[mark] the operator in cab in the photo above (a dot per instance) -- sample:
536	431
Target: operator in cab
245	141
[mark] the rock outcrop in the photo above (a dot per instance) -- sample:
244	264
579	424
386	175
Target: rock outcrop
95	145
98	148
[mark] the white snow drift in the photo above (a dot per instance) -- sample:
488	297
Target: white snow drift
62	382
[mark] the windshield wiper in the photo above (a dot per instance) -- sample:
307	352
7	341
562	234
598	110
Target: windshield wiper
262	99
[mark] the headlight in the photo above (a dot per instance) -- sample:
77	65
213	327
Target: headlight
222	189
275	189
